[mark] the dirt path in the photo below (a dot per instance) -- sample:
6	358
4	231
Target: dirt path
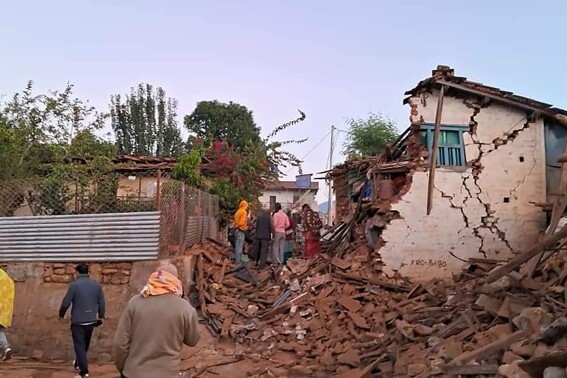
210	358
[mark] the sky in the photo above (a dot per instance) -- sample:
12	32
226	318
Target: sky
332	59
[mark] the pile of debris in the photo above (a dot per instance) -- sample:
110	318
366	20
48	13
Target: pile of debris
340	315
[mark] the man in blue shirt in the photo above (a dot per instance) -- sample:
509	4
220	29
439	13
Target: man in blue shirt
87	300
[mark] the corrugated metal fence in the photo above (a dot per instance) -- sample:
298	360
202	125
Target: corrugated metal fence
189	216
93	237
199	229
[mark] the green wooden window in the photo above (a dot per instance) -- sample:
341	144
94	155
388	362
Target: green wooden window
451	145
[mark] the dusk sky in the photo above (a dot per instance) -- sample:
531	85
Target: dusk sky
331	59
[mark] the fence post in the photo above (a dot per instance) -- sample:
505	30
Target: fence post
139	188
182	220
199	213
158	189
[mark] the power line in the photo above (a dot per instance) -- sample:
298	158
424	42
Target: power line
310	151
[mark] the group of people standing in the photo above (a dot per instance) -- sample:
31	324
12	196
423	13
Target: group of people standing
143	348
274	233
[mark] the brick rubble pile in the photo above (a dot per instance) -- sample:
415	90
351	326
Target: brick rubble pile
342	316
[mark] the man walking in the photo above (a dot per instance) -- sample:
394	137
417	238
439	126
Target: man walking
6	312
87	299
264	232
153	328
281	223
241	226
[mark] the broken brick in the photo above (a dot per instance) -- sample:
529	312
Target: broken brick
349	304
350	357
358	320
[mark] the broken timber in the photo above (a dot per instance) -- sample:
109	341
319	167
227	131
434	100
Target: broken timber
434	151
549	241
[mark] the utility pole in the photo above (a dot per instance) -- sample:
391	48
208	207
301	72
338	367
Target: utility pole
330	200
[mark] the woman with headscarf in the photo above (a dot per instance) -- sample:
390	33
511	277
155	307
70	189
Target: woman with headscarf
6	311
154	327
311	231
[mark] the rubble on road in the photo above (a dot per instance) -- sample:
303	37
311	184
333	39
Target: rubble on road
342	316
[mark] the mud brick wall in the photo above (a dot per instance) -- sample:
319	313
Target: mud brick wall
109	273
486	209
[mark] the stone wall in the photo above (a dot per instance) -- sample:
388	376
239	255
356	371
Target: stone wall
36	329
108	273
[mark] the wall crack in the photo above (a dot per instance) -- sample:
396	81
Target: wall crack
461	208
488	221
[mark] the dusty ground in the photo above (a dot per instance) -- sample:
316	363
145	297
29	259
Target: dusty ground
210	358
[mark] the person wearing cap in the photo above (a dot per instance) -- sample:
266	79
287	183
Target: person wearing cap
87	298
154	327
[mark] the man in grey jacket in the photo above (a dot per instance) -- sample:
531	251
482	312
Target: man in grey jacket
87	299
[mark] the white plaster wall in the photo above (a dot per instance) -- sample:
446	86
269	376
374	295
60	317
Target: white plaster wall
471	219
285	197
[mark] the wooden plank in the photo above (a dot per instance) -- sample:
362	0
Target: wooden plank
220	277
522	258
476	260
454	327
487	349
434	150
511	307
496	97
559	206
373	281
284	307
470	369
535	366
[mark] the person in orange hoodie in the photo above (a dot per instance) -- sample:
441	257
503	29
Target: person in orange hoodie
241	226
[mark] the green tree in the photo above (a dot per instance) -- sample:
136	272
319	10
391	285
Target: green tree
86	144
234	174
369	136
145	122
215	121
36	129
38	132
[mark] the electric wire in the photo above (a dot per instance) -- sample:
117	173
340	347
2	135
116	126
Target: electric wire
310	151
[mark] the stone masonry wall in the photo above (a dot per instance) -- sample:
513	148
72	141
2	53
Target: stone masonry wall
484	210
108	273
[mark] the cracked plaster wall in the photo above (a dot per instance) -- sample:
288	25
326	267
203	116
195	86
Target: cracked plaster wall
488	214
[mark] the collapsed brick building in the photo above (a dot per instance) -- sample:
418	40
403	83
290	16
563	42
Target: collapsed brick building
495	183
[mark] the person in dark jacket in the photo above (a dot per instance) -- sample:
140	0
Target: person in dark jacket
87	299
264	232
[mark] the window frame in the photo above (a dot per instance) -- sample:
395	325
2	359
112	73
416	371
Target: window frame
429	128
